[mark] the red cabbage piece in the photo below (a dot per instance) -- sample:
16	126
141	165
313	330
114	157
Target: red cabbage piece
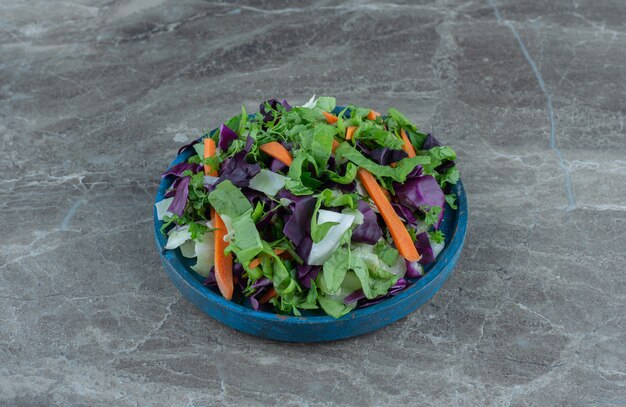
421	192
444	166
256	197
239	277
369	231
284	193
210	280
262	282
297	220
188	145
277	166
400	285
180	198
413	269
256	305
286	105
430	141
249	144
417	171
306	273
386	156
263	224
171	192
178	169
298	224
237	170
382	156
354	297
404	213
261	285
358	295
304	248
227	136
269	114
422	244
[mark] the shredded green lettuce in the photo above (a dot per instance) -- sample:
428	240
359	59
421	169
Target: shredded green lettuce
228	200
334	308
398	174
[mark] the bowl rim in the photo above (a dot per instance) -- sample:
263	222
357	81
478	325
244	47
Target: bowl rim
437	267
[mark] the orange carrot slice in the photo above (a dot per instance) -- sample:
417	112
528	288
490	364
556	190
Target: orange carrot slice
257	262
349	132
271	293
398	231
335	145
407	146
330	118
223	262
276	150
373	114
209	151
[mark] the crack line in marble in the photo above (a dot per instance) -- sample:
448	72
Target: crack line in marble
65	223
571	200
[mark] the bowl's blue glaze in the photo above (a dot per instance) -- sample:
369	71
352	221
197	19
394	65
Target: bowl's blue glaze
316	328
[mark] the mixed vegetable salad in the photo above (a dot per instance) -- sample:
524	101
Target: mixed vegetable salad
296	208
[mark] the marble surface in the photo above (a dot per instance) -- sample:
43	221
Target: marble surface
96	96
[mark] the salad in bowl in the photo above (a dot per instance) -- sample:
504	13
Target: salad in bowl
296	208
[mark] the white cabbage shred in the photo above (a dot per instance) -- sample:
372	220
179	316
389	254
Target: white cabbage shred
321	251
162	206
267	182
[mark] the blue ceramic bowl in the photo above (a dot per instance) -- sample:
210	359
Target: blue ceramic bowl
315	328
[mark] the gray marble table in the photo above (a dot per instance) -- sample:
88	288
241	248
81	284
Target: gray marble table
96	97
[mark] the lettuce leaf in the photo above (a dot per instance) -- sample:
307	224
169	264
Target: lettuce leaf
345	179
377	136
294	182
334	307
246	242
335	269
399	173
322	144
396	120
228	200
387	254
374	282
437	156
326	103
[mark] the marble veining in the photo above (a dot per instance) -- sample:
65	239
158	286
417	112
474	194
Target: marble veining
571	200
96	97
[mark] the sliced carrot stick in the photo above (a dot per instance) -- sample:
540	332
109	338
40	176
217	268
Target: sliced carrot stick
209	151
257	262
276	150
223	262
271	293
335	145
398	231
407	146
373	114
349	132
330	118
